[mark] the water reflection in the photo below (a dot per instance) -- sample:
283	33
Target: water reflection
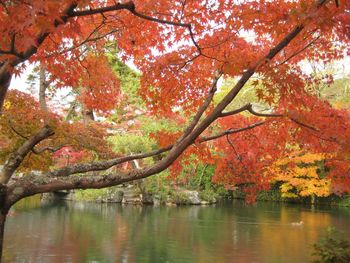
76	232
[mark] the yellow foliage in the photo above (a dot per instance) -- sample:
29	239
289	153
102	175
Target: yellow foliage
299	175
7	104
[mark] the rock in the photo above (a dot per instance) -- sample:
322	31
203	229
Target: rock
147	198
114	197
60	195
131	195
170	204
193	197
185	197
156	200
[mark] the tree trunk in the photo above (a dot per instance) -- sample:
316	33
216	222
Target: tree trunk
88	116
2	230
313	199
5	80
42	88
3	213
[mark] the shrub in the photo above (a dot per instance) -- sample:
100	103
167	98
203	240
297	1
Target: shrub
332	249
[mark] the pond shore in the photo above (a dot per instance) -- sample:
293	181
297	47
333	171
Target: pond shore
131	194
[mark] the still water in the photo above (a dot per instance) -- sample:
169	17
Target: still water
229	232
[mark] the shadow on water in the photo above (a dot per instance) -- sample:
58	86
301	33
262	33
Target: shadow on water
228	232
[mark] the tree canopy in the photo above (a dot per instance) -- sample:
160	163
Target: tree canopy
181	49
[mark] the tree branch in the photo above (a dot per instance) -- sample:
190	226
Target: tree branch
5	80
49	149
126	6
6	67
16	158
304	125
268	115
130	6
236	111
30	185
203	107
61	179
299	51
15	131
104	165
232	131
12	50
249	107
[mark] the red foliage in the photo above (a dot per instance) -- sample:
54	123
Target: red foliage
66	156
179	46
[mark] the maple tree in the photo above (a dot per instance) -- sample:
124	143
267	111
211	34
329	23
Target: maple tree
301	176
182	49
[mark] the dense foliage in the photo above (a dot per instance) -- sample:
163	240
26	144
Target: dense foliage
182	50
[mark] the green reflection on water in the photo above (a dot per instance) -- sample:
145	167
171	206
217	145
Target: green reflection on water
230	232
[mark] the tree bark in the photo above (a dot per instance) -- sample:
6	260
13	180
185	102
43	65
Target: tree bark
16	158
88	116
42	88
5	80
2	231
3	214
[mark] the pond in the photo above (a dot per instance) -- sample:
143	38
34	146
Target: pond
228	232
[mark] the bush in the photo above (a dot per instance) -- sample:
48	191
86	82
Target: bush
99	195
180	198
208	195
332	249
344	201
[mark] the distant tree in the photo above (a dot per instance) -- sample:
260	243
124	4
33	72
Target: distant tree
302	175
